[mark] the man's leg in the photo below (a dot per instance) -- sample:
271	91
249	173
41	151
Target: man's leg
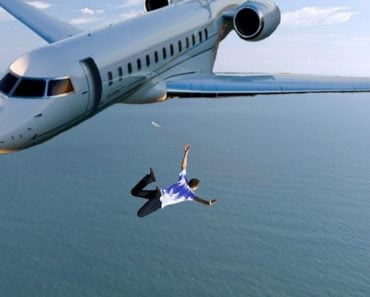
149	207
138	189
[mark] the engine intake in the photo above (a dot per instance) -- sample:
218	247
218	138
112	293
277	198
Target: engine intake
256	20
151	5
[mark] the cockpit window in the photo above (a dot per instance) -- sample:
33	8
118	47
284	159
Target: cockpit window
26	87
60	87
30	88
8	83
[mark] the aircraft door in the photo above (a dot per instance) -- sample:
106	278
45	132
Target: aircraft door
94	83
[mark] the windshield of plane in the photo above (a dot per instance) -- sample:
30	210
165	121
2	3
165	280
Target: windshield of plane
59	87
23	87
30	88
7	83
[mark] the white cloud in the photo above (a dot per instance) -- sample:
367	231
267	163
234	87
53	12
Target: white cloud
89	16
39	4
83	20
129	3
316	16
130	15
89	11
363	41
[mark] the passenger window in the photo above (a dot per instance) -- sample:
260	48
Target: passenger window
206	33
138	62
200	36
187	43
156	56
8	83
172	50
129	68
147	60
193	39
180	46
110	78
164	53
120	73
30	88
60	87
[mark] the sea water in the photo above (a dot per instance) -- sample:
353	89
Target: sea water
292	174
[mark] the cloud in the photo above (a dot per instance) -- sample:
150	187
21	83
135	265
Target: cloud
132	9
316	16
83	20
130	15
88	16
89	11
356	42
39	4
129	4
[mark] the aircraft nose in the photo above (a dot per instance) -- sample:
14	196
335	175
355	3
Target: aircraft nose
16	123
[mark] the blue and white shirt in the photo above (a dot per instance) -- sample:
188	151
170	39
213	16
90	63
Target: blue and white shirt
178	192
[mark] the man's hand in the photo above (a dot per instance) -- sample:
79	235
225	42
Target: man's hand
213	201
186	148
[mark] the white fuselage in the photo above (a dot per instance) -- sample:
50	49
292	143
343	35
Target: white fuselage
124	63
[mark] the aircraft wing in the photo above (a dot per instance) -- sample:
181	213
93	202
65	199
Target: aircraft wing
225	85
48	28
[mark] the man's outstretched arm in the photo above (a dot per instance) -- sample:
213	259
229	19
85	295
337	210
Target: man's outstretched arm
184	163
206	202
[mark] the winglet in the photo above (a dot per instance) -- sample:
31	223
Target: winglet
48	28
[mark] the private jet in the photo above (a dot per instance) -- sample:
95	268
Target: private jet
78	74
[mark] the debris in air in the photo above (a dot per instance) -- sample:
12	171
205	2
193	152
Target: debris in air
156	125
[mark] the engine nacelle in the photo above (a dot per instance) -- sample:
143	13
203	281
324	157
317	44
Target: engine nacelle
256	20
156	4
151	92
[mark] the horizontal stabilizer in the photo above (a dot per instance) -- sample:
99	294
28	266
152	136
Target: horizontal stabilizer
223	85
48	28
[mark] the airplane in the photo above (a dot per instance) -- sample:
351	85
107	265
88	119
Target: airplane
78	74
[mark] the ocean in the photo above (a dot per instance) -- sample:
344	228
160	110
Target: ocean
291	172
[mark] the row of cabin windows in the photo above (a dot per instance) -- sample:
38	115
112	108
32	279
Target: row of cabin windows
156	55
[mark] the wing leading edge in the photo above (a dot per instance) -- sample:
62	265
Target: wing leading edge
225	85
48	28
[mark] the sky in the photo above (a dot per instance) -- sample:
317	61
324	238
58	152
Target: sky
329	37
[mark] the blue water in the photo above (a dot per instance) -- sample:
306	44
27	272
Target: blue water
291	172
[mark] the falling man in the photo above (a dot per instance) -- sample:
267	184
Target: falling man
182	190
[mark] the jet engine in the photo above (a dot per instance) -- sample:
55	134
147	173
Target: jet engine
156	4
256	20
151	92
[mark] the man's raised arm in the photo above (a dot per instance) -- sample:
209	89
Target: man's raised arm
184	163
